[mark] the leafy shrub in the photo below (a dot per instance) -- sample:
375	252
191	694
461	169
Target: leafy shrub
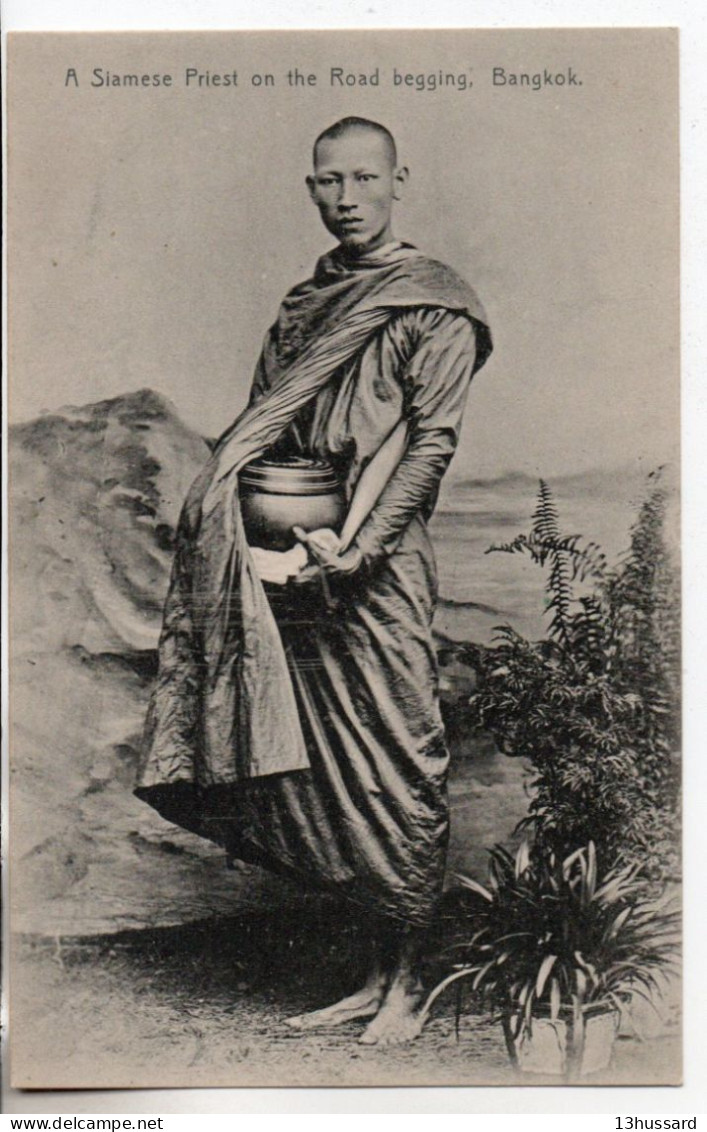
594	705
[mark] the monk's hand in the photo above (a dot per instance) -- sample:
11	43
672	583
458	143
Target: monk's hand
323	546
341	565
278	566
322	540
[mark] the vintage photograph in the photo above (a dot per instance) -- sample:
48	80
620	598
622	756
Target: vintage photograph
344	558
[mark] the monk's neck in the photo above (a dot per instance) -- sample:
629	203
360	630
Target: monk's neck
360	255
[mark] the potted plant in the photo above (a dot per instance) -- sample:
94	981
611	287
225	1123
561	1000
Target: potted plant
557	951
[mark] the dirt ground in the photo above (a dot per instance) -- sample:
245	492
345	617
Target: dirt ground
204	1004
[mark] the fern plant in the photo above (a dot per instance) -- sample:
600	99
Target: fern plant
593	705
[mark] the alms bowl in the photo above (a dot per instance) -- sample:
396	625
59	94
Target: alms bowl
277	495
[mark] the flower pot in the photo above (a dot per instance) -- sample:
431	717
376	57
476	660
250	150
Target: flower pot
553	1048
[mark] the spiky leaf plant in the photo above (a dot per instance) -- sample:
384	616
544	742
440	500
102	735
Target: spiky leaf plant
555	936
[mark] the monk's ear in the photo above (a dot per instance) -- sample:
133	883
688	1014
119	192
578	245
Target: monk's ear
311	185
400	180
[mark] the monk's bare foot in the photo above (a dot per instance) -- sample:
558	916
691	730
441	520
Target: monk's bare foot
399	1019
365	1003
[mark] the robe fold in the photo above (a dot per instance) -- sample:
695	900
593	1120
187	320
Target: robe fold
305	738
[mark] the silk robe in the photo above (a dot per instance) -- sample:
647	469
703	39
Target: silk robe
368	814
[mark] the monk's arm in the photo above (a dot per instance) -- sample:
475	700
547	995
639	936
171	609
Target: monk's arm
435	383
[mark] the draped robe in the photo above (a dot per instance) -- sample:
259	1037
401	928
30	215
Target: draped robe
304	738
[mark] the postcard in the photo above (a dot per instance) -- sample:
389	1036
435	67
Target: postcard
344	558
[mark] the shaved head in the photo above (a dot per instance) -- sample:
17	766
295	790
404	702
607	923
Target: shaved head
355	181
352	124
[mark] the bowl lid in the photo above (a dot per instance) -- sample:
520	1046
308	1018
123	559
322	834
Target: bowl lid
298	475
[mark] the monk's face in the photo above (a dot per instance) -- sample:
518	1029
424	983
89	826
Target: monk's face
354	184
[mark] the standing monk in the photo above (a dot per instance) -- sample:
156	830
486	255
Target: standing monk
317	749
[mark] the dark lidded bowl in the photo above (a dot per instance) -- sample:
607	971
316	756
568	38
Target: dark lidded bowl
277	495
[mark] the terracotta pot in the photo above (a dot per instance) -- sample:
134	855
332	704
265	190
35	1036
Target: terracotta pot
279	495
